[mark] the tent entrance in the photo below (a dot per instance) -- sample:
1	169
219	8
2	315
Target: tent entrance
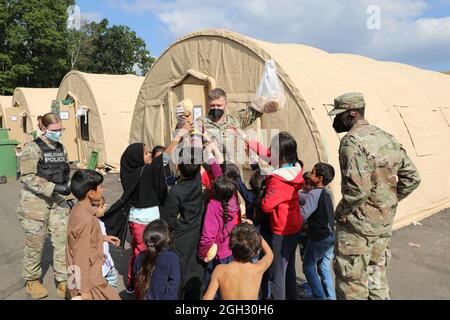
194	85
17	123
70	140
194	89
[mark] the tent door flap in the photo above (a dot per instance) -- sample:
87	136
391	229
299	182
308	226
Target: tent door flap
70	136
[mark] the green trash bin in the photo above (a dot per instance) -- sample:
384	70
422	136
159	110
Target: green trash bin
4	134
8	159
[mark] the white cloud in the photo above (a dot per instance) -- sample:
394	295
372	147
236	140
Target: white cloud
336	26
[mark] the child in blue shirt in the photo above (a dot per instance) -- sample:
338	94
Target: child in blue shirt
317	208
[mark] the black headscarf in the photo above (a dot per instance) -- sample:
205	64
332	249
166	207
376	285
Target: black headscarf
131	164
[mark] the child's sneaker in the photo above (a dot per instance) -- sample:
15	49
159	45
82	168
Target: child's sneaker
305	291
130	289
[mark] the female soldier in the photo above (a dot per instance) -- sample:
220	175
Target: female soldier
45	176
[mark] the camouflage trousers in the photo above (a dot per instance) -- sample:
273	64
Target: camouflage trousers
39	216
360	265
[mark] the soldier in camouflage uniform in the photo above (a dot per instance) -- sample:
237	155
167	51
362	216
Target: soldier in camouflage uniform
218	121
42	206
376	174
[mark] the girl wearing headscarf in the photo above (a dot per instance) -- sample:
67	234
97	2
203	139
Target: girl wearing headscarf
145	190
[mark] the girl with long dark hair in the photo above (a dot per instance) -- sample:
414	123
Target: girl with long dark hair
220	219
157	268
281	203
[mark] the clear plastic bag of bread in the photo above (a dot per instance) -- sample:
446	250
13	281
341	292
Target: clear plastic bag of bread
270	96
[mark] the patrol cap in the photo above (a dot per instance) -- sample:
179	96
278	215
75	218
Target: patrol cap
185	108
347	101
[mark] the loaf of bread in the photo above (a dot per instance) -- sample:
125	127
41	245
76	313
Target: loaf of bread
211	253
271	106
265	105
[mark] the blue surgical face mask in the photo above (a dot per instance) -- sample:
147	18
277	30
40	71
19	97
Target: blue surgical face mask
53	135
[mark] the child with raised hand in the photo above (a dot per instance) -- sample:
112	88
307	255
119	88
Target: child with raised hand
220	219
184	211
229	170
281	203
241	279
157	268
170	177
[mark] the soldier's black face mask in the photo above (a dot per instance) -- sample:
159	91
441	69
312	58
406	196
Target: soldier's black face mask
216	114
342	123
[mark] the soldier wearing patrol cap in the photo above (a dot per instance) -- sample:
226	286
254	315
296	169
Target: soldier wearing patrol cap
376	174
45	176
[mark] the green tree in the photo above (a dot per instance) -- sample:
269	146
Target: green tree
33	45
37	49
112	50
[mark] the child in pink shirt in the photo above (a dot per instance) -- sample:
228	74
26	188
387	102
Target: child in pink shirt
220	219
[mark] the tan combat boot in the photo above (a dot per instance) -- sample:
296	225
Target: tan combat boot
35	289
61	289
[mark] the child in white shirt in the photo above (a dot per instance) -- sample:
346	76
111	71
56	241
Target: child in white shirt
109	272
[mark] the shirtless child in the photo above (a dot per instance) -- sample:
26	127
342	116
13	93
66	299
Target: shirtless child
241	279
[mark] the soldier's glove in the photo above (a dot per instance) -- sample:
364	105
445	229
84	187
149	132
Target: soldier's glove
62	189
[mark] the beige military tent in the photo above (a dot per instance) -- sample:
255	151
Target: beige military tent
99	117
5	102
411	103
27	105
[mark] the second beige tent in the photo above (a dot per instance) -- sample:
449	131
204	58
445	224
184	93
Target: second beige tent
27	105
5	102
411	103
97	114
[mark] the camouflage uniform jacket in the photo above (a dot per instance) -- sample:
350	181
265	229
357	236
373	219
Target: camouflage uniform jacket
376	174
241	119
32	184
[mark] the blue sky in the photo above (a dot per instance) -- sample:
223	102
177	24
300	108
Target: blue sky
147	24
415	32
